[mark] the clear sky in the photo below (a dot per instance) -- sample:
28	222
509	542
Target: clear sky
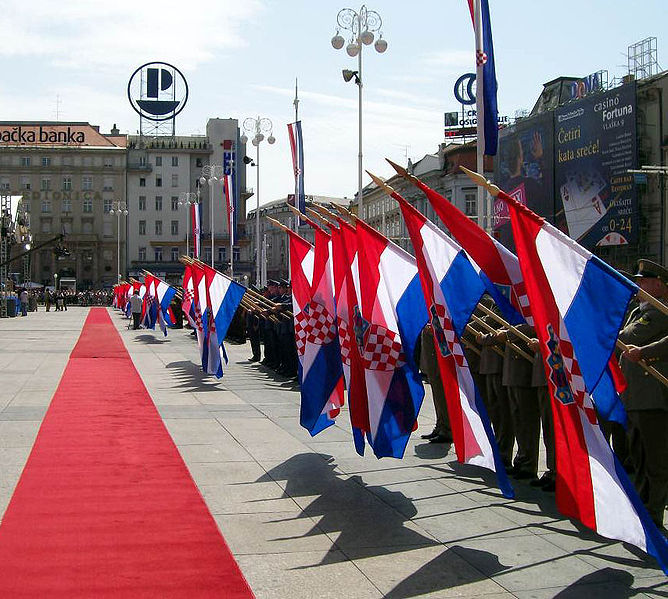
241	58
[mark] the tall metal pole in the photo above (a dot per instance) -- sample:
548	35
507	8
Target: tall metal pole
212	183
359	155
232	192
118	245
257	215
484	213
188	204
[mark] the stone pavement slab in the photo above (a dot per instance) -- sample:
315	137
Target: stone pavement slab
308	517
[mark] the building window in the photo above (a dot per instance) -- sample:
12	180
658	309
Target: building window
175	180
108	184
46	205
86	227
67	161
46	225
158	227
158	161
207	255
157	253
107	205
175	203
67	183
142	161
107	230
222	254
471	203
142	181
86	183
158	181
175	254
25	183
26	205
142	203
142	227
4	184
25	160
158	203
175	161
66	225
88	205
237	254
45	183
142	254
67	204
87	161
175	227
108	161
46	161
198	162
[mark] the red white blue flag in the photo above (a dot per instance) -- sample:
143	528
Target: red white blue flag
487	112
452	289
319	368
297	149
503	277
228	189
188	303
578	304
386	326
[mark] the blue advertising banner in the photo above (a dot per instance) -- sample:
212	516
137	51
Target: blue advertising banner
594	146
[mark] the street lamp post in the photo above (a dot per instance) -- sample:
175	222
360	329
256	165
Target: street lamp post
187	199
210	174
119	209
361	24
258	127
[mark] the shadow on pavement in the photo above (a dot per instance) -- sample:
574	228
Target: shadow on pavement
607	582
189	377
345	508
446	571
151	339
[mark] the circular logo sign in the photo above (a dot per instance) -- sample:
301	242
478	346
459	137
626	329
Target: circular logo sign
157	91
464	93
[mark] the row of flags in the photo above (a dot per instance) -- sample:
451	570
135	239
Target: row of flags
210	300
156	296
382	297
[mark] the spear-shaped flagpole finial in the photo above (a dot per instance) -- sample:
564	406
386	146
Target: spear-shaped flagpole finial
301	215
319	216
479	179
400	170
322	210
378	181
343	212
277	224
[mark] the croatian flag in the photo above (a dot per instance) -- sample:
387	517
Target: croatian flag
188	304
297	149
320	370
196	220
229	158
386	326
486	107
578	309
223	298
452	289
149	307
200	304
504	281
228	188
164	295
346	295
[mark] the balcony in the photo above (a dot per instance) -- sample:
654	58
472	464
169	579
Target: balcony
143	168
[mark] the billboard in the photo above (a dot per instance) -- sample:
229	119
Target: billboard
524	169
595	145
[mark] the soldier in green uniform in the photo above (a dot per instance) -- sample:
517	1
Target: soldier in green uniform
429	365
646	398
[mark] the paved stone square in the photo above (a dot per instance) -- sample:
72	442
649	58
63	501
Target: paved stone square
307	517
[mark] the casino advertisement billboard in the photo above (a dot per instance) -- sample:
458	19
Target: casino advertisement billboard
594	146
524	169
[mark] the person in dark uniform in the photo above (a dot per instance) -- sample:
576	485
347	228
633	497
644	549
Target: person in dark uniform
539	383
253	332
657	350
495	394
524	410
268	328
429	365
646	398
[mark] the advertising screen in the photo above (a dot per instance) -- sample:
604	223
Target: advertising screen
594	146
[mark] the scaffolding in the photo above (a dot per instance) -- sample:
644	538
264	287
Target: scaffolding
642	58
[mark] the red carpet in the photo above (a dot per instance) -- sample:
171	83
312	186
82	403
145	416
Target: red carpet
105	506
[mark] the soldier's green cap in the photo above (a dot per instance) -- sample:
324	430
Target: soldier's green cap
649	269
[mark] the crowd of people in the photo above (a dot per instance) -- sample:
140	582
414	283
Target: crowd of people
28	300
509	374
